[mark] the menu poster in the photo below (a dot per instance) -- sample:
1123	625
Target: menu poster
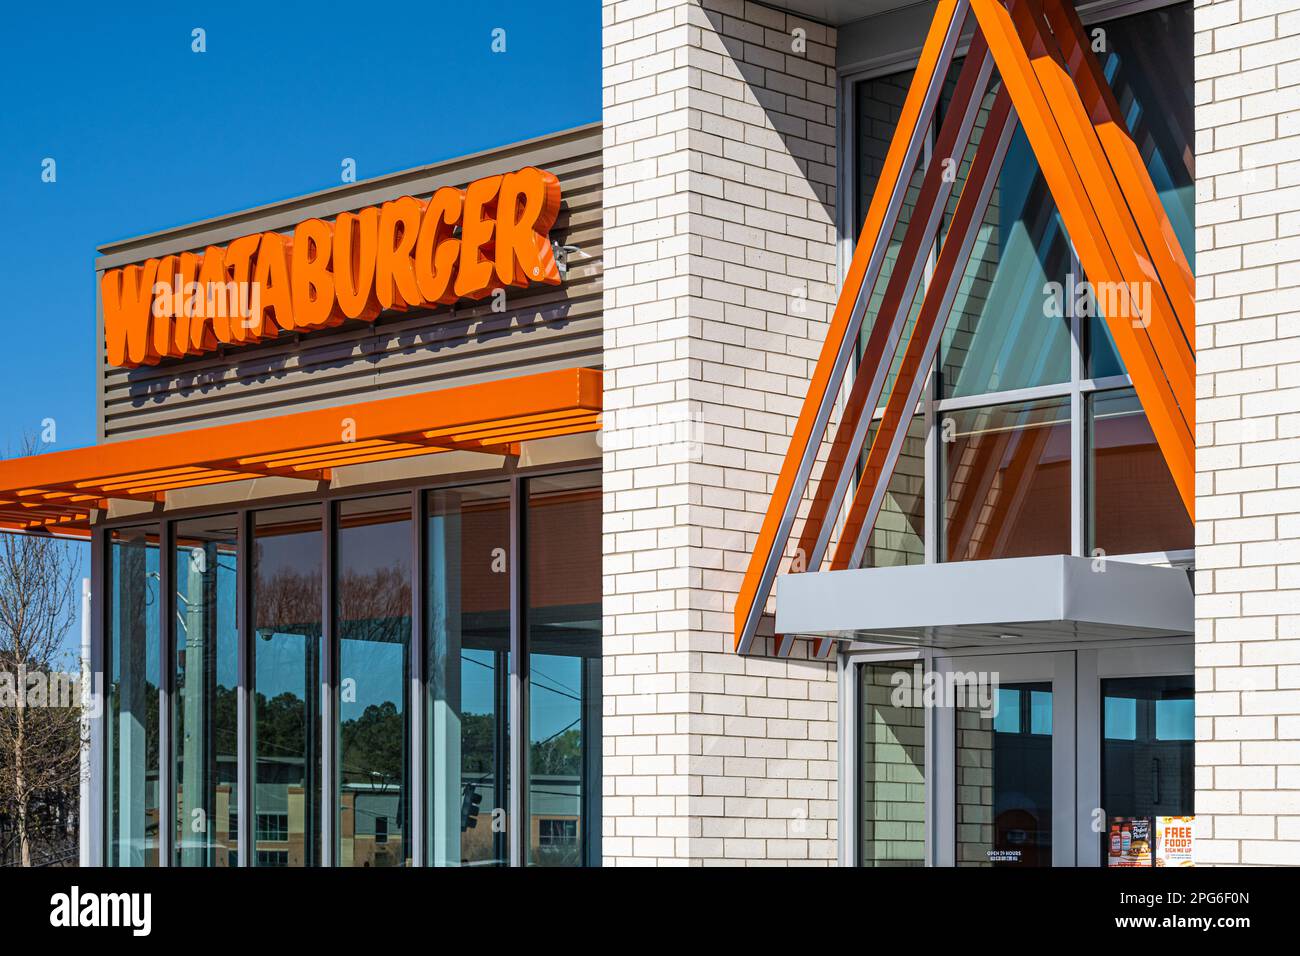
1174	840
1130	842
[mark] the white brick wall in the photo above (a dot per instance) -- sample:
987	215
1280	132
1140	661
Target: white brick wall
720	259
1248	431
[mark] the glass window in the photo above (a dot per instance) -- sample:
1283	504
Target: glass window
373	618
1135	504
132	611
892	766
1148	758
563	578
898	536
286	671
467	609
1006	470
1005	331
1004	779
879	103
205	734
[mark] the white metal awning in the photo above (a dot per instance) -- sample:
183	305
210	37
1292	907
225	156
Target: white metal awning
1009	601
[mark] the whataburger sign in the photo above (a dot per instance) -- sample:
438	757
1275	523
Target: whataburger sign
406	253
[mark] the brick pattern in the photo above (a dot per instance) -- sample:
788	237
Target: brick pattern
719	278
892	770
1248	432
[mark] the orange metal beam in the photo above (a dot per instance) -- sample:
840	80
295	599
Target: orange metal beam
1140	264
838	347
1171	414
882	344
1126	160
923	343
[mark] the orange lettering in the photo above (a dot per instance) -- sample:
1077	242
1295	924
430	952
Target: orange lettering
163	310
399	224
474	278
237	295
273	306
212	274
127	298
529	203
459	244
437	251
186	303
313	283
355	239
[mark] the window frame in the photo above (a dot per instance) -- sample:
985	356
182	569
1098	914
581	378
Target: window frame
1080	386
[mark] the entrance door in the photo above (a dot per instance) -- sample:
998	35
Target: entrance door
1008	796
1136	746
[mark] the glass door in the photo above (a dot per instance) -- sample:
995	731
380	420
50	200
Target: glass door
1137	755
1007	797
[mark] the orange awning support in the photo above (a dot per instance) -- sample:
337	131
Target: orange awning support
1050	85
56	492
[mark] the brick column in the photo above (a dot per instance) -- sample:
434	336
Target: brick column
1248	432
719	278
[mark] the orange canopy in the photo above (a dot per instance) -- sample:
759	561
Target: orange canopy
56	492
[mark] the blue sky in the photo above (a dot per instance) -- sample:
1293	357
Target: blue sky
147	134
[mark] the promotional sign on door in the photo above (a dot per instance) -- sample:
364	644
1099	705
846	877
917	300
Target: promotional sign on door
1131	841
1174	839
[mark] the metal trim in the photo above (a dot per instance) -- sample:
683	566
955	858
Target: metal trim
773	551
417	800
846	447
244	697
518	783
166	693
329	682
860	522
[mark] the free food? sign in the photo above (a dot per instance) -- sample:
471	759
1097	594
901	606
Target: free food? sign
406	253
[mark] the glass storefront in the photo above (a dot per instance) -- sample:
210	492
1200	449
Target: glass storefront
564	669
205	706
467	606
372	599
287	648
132	615
336	769
1035	758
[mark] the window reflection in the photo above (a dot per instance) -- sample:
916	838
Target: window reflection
1135	503
1004	780
132	618
1004	333
468	638
287	646
898	536
1007	475
373	617
204	704
1148	752
892	768
564	669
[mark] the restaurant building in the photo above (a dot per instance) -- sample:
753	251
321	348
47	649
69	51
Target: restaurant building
797	467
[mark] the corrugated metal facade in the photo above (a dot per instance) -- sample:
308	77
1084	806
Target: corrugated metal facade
543	327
